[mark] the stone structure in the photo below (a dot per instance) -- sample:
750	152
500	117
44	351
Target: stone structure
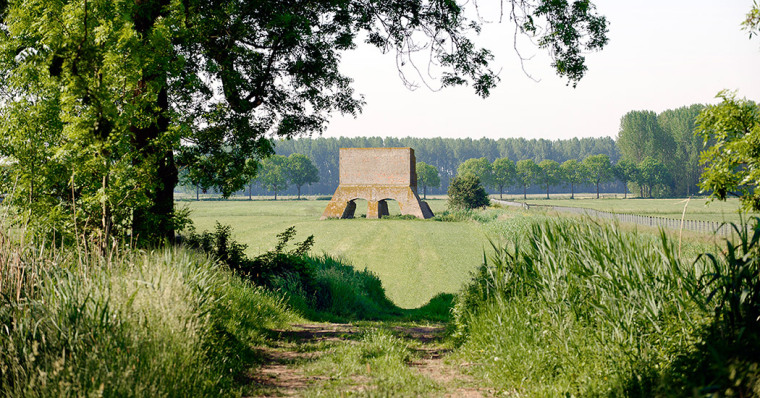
376	175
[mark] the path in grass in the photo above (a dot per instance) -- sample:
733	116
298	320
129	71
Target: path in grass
368	358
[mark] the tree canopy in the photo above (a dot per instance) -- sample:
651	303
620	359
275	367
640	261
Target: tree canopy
301	171
427	176
732	164
128	92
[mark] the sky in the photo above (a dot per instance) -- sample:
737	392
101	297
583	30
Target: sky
661	55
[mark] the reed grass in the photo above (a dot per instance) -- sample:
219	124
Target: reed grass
167	322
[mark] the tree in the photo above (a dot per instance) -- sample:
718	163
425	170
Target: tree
427	176
301	171
550	174
503	174
641	136
142	87
651	174
679	124
625	171
479	167
273	175
527	173
732	163
574	173
599	168
466	192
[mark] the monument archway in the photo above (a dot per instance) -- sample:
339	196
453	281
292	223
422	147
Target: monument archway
377	175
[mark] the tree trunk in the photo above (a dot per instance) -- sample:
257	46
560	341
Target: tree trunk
525	192
597	189
625	187
424	191
572	191
299	191
501	191
197	193
547	191
154	222
275	194
250	191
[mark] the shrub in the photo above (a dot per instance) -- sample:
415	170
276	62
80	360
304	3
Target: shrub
466	192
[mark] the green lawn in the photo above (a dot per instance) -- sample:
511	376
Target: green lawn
415	259
698	208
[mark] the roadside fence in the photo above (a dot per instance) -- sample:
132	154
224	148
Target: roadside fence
707	227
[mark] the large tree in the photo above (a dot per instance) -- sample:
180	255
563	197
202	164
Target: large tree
551	174
131	90
574	173
479	167
679	124
625	171
599	170
732	163
527	173
273	175
301	171
427	176
503	174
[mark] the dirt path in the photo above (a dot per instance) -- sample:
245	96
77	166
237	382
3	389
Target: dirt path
284	372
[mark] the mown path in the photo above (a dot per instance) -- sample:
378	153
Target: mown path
295	364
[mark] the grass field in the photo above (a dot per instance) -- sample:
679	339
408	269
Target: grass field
698	208
415	259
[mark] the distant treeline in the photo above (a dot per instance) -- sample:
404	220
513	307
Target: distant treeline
447	154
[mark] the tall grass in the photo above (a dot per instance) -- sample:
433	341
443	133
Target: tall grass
168	322
580	308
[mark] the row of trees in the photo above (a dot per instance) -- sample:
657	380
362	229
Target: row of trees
594	170
668	143
445	154
277	172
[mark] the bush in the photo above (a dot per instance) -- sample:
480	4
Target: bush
466	192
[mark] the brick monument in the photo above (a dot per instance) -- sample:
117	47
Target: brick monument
376	175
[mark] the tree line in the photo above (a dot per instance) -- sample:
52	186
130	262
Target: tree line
445	154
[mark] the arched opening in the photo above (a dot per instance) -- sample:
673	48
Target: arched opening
355	208
392	207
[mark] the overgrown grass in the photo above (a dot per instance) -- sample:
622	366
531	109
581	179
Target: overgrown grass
167	322
578	308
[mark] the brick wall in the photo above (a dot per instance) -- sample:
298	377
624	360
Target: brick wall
378	166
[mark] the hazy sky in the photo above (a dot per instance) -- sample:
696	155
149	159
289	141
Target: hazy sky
661	55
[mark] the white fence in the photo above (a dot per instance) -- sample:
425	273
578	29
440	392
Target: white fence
708	227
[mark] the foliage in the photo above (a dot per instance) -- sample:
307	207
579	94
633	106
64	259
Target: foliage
680	124
574	173
446	154
301	171
132	90
504	173
427	176
752	23
731	162
165	323
626	171
479	167
527	173
274	173
577	308
551	174
641	136
599	170
650	175
465	192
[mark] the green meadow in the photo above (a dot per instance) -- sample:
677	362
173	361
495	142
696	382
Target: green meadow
415	259
697	208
